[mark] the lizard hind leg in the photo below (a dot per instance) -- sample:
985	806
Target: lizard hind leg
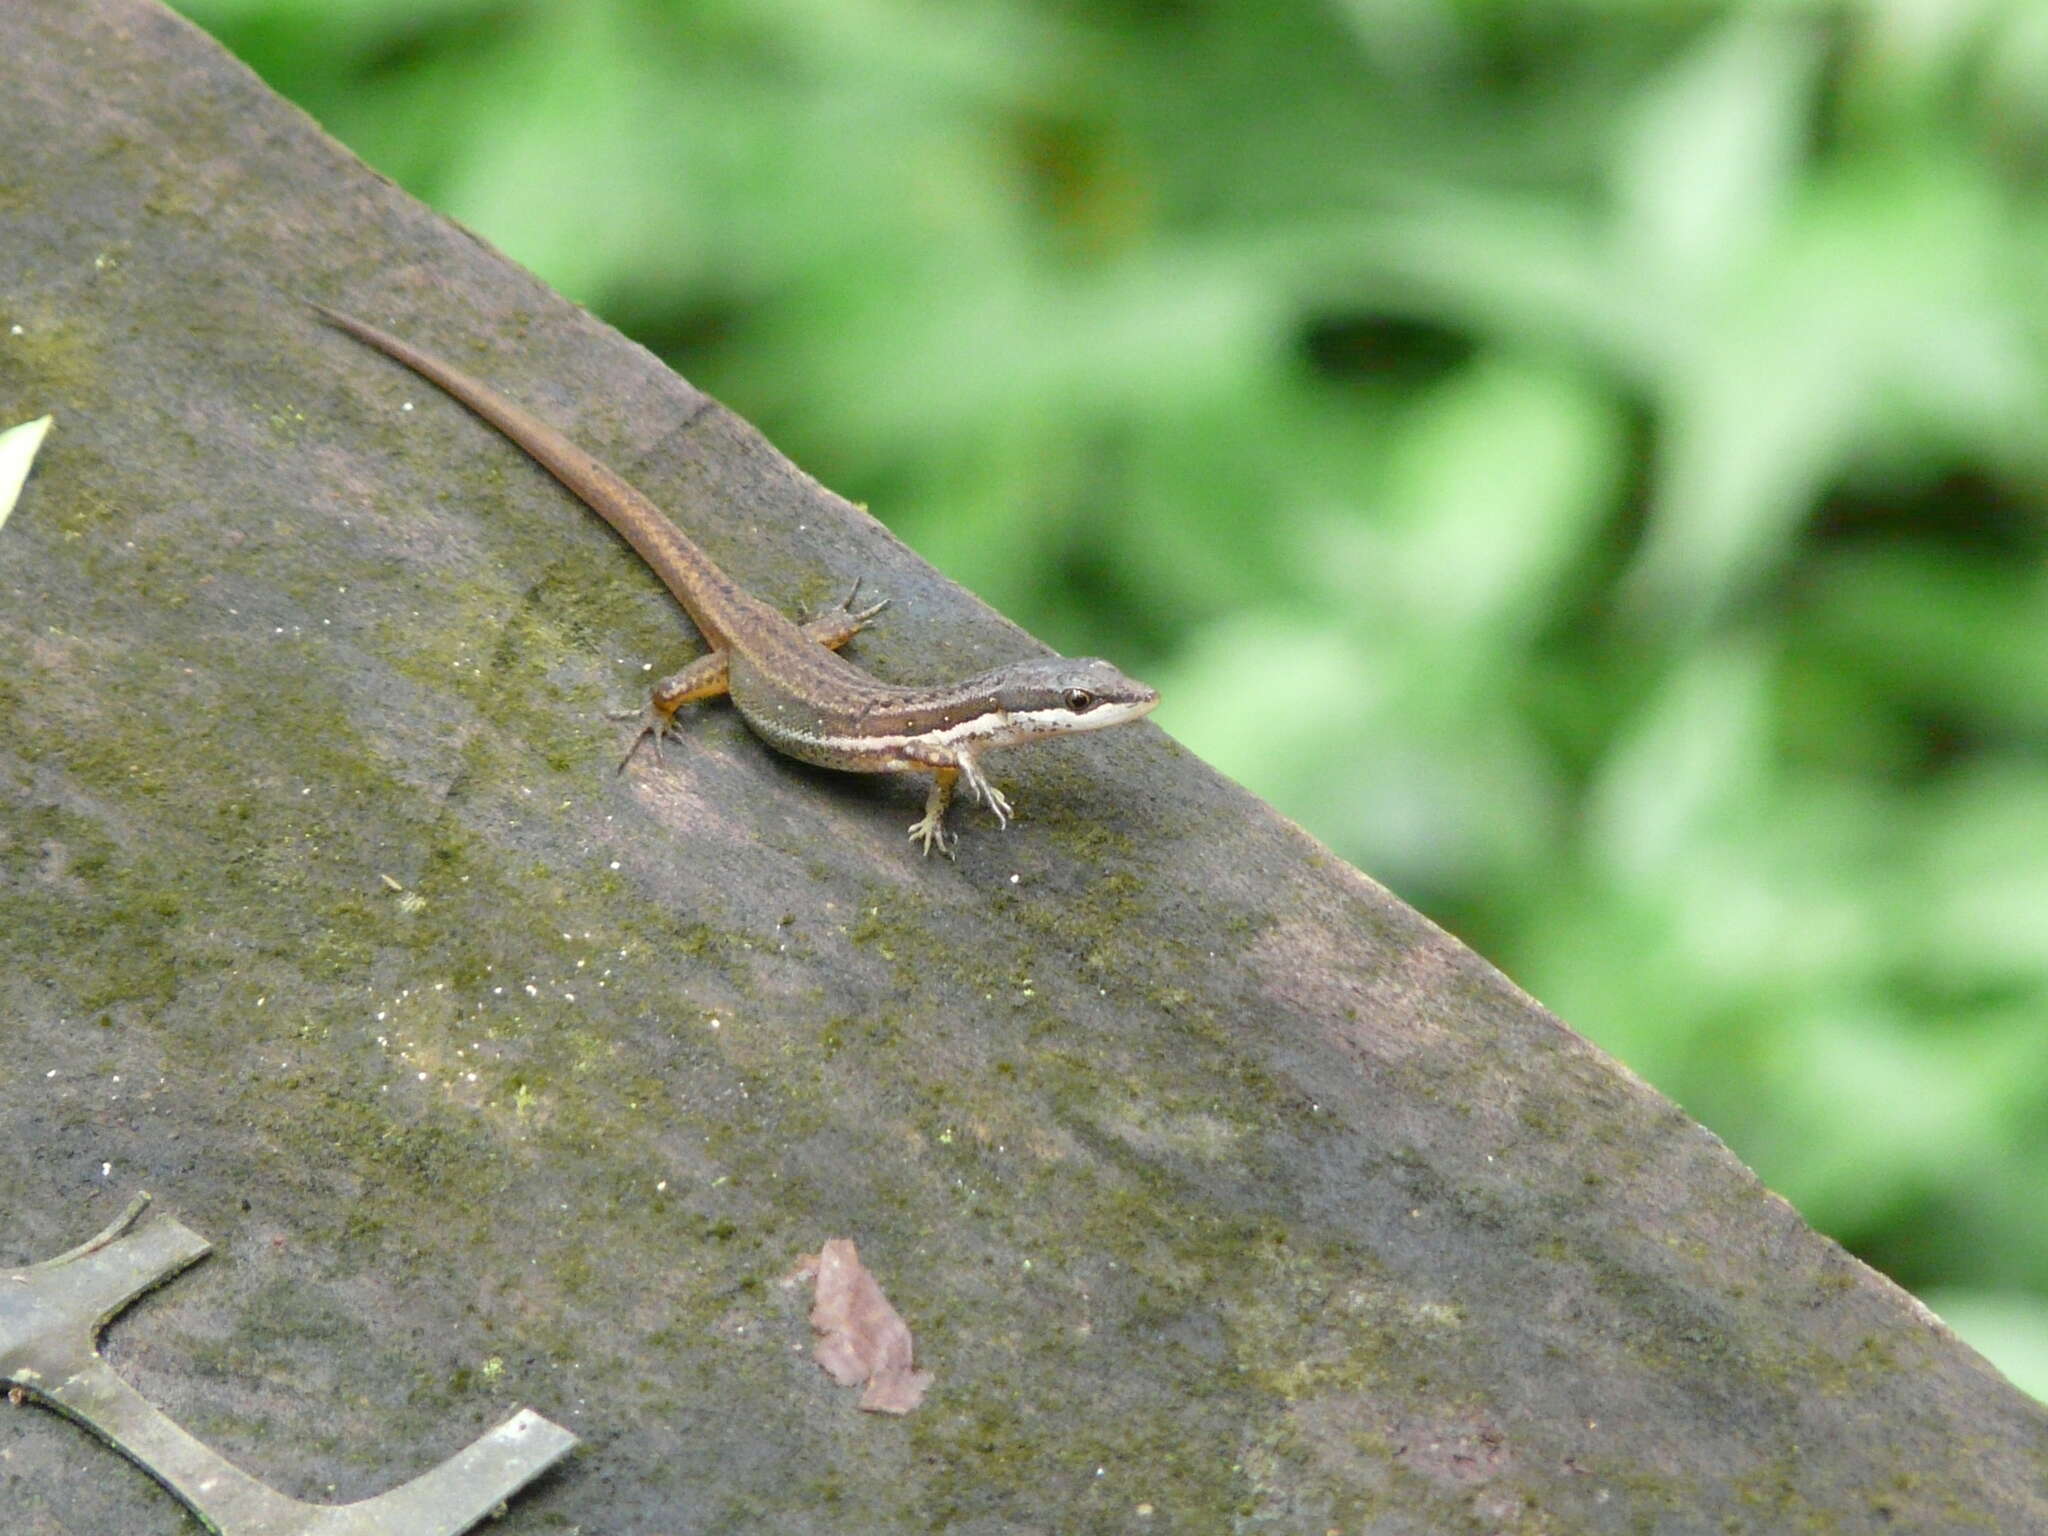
835	626
704	678
709	675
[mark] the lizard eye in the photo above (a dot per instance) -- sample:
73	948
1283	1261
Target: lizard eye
1079	700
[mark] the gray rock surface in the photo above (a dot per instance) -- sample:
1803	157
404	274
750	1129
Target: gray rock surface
1222	1191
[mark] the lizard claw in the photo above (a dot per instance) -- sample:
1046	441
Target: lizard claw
866	613
928	831
987	793
654	725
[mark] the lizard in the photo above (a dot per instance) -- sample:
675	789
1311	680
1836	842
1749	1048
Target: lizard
788	681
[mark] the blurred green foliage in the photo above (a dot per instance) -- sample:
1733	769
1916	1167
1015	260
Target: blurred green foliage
1584	460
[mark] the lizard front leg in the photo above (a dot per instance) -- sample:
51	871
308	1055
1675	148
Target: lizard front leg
987	793
929	829
948	767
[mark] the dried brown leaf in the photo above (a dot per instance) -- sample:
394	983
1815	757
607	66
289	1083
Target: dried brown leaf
861	1337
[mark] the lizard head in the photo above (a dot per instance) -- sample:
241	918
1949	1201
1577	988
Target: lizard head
1057	694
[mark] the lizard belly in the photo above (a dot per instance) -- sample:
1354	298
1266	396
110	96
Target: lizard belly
830	738
871	728
810	737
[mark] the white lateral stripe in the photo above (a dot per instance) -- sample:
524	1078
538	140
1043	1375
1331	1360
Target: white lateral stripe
994	727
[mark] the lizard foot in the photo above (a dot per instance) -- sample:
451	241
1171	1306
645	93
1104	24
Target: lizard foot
929	830
986	792
859	618
654	726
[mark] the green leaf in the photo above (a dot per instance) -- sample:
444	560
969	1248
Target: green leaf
1715	146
